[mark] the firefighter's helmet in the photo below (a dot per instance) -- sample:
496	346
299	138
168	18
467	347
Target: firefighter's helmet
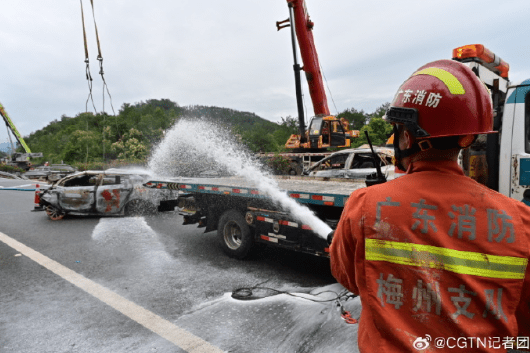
443	98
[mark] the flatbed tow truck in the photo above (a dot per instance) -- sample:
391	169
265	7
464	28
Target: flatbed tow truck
245	216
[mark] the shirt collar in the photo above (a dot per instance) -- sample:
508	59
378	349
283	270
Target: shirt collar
442	166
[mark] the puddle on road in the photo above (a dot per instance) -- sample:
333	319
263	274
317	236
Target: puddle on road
134	238
278	323
275	323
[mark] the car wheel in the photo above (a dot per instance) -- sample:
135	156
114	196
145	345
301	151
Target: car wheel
139	208
234	235
54	213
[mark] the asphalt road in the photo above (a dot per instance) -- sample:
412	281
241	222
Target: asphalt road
135	284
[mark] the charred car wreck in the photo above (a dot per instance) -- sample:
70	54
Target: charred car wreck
356	163
108	193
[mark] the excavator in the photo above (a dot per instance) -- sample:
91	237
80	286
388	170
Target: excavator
324	130
17	159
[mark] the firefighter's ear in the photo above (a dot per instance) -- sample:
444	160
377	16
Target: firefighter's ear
407	139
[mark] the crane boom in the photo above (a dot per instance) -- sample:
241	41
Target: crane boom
13	128
324	131
304	34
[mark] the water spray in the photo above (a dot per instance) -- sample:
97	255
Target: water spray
198	145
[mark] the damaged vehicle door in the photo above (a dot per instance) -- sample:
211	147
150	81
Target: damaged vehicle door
77	194
112	193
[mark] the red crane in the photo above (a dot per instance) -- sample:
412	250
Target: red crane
324	130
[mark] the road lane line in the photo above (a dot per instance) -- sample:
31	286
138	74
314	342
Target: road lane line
176	335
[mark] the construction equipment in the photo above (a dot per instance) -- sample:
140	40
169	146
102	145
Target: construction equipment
325	130
17	159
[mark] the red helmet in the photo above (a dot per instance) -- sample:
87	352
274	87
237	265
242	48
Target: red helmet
443	98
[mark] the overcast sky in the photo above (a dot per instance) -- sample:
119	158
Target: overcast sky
229	54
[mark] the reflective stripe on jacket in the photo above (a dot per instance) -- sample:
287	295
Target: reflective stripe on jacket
433	254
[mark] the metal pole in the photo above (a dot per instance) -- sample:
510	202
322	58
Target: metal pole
11	142
298	82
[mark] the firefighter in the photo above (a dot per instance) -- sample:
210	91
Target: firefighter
438	260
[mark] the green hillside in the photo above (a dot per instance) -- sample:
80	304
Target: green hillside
130	135
132	132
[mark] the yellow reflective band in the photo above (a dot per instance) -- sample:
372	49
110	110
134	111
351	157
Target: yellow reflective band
452	83
463	262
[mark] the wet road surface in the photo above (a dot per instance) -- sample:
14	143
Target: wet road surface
177	274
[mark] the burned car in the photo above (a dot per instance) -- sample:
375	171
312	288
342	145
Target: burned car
105	193
50	173
354	163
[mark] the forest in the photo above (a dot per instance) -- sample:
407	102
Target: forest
127	138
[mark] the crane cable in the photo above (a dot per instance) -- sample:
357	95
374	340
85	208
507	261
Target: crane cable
87	62
329	90
101	72
100	59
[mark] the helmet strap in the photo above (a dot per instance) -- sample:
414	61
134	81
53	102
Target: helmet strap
398	153
426	144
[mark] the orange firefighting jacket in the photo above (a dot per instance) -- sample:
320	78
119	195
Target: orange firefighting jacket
438	260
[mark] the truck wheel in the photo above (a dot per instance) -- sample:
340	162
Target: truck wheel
295	169
54	213
139	208
234	235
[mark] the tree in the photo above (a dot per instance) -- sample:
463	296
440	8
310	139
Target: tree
356	118
287	127
130	146
107	139
381	110
379	131
82	146
259	139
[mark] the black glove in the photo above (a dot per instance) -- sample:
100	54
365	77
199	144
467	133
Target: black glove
330	236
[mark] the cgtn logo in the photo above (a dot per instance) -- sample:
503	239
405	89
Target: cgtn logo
422	342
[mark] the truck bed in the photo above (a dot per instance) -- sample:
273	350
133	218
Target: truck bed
308	190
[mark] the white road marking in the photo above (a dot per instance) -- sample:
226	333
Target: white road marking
176	335
16	186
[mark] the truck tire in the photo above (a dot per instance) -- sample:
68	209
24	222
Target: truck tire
139	208
295	169
234	235
54	213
